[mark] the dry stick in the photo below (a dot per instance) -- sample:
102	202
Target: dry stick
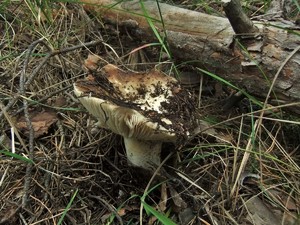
49	55
47	183
238	19
23	85
243	163
23	219
58	151
235	158
14	100
27	179
11	123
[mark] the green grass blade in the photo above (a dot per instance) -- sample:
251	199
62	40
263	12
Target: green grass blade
231	85
160	216
155	31
113	216
297	4
149	210
67	208
16	156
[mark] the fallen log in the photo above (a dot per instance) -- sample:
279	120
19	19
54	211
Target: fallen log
251	61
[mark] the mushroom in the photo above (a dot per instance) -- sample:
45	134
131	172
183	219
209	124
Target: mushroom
147	109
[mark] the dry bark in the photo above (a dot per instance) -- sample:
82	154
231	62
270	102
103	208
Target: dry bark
249	60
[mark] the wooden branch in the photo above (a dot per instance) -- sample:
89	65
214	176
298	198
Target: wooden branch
238	19
248	62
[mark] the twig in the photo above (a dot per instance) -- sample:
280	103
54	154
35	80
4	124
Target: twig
23	85
11	123
37	69
23	219
243	163
47	184
238	19
27	179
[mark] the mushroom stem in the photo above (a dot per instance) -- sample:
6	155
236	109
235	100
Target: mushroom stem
145	154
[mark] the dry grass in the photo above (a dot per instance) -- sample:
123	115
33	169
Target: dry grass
218	173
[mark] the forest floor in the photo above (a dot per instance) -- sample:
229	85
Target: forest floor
56	168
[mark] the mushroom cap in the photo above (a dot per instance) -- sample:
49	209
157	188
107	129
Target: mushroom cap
124	121
146	106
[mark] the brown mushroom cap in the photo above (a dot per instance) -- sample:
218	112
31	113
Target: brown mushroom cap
153	99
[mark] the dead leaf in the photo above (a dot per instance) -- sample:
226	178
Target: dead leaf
162	205
179	203
5	141
186	216
41	121
58	101
152	220
122	212
206	128
259	213
283	198
91	62
290	218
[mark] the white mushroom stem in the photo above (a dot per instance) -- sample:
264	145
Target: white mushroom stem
145	154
